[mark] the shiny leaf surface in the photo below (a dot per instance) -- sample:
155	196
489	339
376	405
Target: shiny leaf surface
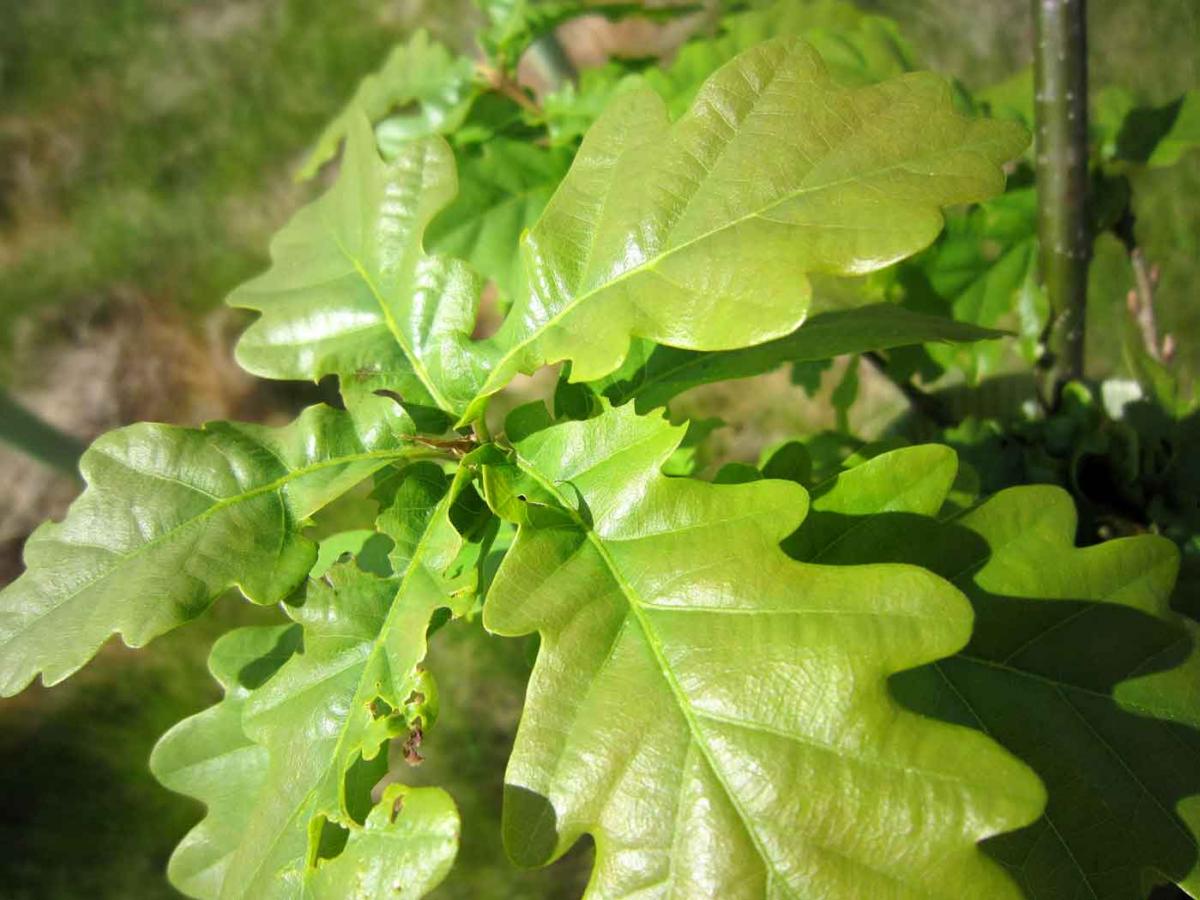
702	234
404	847
420	76
352	293
171	518
716	715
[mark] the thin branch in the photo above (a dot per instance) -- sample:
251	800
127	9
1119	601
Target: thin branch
500	82
1065	239
1140	300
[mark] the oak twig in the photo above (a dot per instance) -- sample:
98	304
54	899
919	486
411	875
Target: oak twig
1064	234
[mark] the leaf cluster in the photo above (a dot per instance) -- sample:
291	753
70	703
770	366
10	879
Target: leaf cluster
821	676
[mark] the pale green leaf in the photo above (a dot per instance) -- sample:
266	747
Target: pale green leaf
1076	664
714	714
403	851
699	235
652	375
327	715
703	234
209	757
421	77
171	518
352	293
405	846
857	48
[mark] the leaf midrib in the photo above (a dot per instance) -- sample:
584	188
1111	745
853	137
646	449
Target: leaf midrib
277	484
655	261
664	667
376	643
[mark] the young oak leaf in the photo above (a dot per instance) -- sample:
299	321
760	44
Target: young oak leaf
325	718
1076	664
351	292
652	375
504	186
403	849
170	519
699	234
421	73
858	49
702	234
715	714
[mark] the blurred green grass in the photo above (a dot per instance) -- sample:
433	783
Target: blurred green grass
149	144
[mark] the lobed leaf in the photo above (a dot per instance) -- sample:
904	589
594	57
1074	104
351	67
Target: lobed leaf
404	848
352	293
1076	664
503	189
857	48
699	235
702	234
716	715
419	74
170	519
322	722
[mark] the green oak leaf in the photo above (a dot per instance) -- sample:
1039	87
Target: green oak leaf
419	73
1076	665
702	234
653	233
1157	136
209	757
170	519
404	848
652	375
716	715
351	292
503	188
326	717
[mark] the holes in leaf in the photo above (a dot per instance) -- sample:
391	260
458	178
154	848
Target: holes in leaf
326	840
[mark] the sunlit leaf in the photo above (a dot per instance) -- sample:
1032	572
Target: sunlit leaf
351	291
428	87
405	846
171	518
325	718
702	234
717	716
